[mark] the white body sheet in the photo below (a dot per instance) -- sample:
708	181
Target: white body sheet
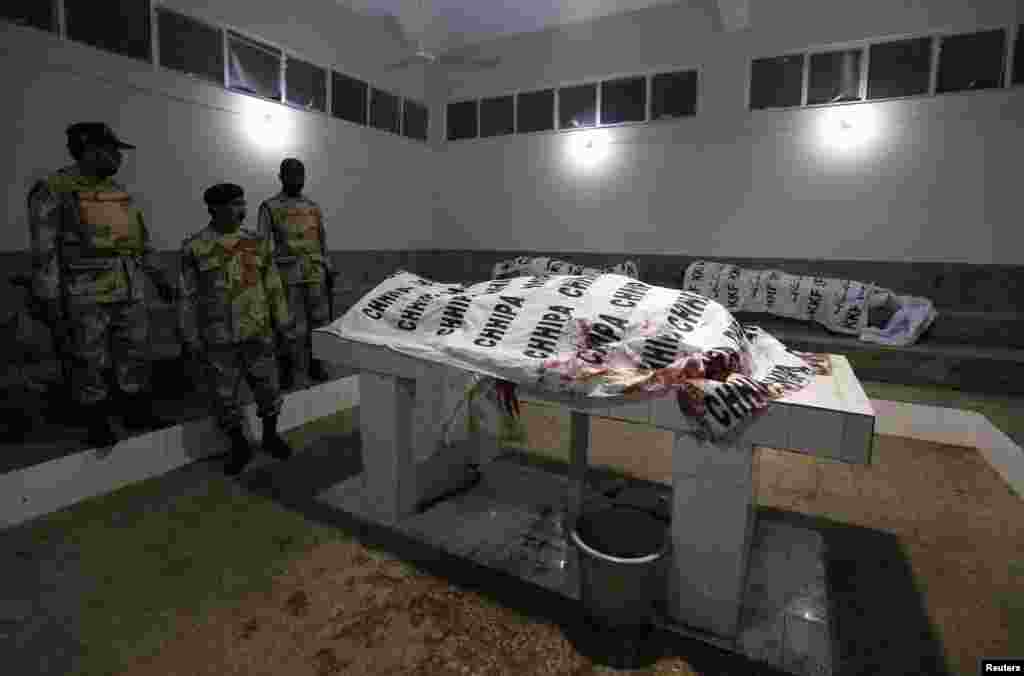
840	305
598	335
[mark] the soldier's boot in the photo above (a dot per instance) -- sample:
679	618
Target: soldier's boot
241	453
99	419
137	412
272	441
317	371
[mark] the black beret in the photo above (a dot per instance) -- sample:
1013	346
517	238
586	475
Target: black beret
95	132
222	193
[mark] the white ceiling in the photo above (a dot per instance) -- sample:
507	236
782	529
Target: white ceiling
448	24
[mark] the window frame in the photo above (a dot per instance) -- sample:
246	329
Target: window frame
932	72
555	87
158	62
650	95
366	104
56	12
937	46
259	44
476	136
805	76
399	99
554	109
864	45
558	104
62	24
426	112
285	58
862	83
480	115
647	80
1013	44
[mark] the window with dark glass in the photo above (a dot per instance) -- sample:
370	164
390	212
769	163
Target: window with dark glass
305	85
461	120
497	116
674	95
624	100
119	26
348	98
535	111
900	68
40	14
254	68
1018	57
577	106
776	82
189	46
416	120
971	61
834	77
384	111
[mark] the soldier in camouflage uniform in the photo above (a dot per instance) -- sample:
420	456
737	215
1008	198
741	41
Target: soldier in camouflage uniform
293	225
231	306
90	250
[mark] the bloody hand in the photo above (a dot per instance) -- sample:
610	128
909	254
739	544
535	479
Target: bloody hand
506	392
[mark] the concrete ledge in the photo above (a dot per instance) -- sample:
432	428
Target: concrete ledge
956	428
28	493
47	487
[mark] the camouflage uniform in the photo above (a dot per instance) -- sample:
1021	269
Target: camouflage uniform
105	248
294	229
231	302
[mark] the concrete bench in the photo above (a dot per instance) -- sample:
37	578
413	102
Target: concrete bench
713	514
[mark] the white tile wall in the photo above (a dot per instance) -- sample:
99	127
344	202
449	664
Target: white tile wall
47	487
385	421
709	550
771	428
815	431
858	439
1005	456
637	411
729	464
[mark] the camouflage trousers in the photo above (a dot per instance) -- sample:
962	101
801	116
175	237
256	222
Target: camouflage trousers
310	310
227	365
104	335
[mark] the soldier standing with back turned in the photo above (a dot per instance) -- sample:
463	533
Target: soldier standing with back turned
90	250
231	306
294	226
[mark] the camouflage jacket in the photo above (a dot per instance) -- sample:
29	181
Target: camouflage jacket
294	227
230	289
102	234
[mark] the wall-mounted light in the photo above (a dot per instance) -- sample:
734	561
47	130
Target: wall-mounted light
588	149
267	125
849	129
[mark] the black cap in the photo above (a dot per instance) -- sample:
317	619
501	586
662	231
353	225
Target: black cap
222	193
291	163
98	133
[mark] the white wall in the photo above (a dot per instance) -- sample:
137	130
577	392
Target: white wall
939	183
191	134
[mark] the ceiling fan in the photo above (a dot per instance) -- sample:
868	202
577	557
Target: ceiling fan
420	55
